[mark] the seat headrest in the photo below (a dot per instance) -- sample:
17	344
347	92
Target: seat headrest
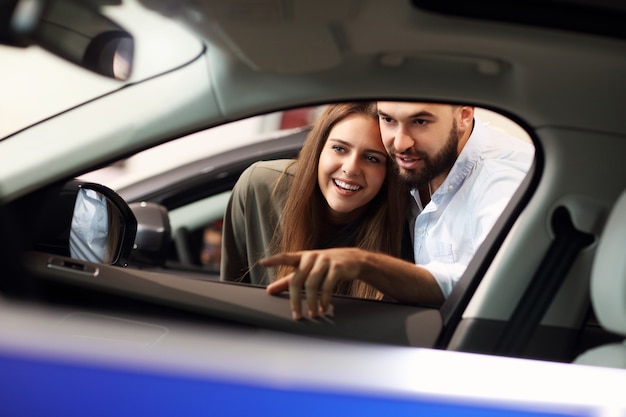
608	274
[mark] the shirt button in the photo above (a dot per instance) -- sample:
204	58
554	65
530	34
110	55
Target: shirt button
450	187
420	230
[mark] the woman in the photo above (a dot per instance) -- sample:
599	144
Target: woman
341	191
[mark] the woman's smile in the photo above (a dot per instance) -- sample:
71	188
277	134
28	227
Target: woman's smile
344	186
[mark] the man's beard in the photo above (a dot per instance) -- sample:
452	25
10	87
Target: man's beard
432	166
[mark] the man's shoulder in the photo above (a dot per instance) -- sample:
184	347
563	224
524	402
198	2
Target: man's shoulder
495	145
498	139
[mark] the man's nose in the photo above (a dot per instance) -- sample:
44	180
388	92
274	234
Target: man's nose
402	141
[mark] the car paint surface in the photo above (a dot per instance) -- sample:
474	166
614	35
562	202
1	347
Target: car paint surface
88	362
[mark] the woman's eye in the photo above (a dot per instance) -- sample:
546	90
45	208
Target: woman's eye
338	148
373	159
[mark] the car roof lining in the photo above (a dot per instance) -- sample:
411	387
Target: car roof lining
604	17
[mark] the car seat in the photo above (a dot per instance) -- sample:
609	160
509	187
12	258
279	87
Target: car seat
608	289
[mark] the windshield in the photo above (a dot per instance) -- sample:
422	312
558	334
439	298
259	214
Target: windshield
37	84
30	95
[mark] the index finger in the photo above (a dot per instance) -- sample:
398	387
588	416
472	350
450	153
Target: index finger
285	258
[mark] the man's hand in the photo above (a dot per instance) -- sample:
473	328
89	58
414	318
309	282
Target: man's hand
317	272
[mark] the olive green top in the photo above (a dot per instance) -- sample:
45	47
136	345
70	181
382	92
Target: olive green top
250	221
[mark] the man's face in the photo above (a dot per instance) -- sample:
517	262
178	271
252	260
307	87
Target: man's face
422	139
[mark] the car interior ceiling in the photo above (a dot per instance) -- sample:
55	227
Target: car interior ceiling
603	18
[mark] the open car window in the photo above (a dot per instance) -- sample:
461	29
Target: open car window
191	178
178	194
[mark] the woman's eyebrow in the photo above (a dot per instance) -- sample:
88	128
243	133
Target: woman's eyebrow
343	142
349	145
376	151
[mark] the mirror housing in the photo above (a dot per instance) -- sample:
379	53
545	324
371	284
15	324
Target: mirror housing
88	221
71	29
154	234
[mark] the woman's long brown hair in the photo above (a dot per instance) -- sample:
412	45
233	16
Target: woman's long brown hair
385	216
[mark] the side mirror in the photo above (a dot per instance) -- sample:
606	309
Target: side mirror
90	222
71	29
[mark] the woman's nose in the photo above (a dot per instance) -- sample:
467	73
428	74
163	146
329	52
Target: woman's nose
351	166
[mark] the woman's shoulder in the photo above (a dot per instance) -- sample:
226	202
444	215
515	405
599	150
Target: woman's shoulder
265	173
273	167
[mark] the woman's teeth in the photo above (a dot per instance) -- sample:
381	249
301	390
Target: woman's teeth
345	186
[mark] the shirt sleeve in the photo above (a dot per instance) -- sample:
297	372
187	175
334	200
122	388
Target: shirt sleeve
481	213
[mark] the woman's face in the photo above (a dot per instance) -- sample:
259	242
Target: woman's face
352	167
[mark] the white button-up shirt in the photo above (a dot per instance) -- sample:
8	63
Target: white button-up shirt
449	230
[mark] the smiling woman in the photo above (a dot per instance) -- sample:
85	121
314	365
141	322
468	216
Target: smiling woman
351	170
340	192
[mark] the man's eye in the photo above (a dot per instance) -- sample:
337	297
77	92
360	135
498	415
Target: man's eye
420	122
386	119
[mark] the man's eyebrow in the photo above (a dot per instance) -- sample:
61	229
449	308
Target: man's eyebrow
417	115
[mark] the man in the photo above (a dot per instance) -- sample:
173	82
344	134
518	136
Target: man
462	174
